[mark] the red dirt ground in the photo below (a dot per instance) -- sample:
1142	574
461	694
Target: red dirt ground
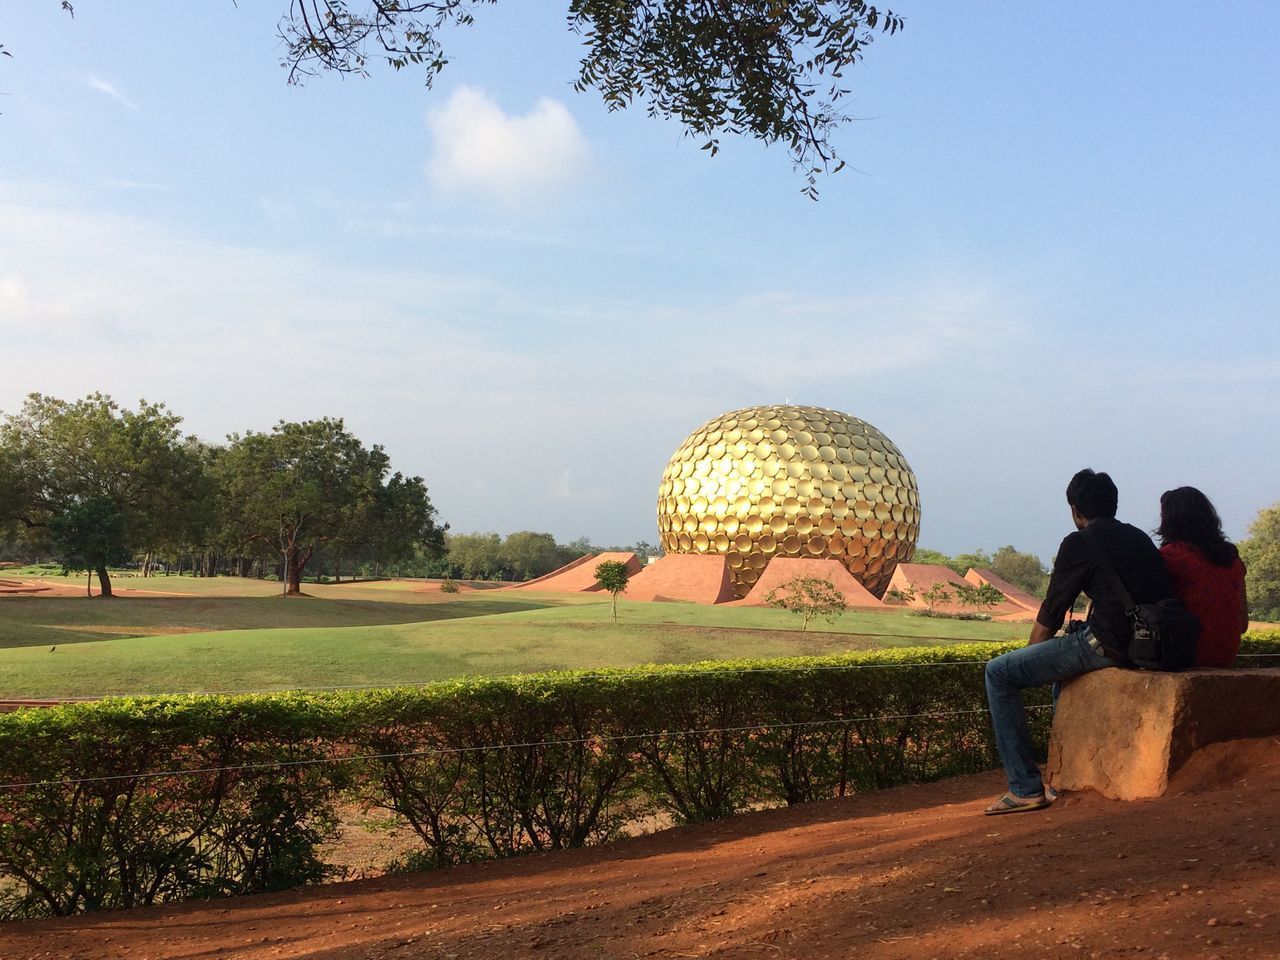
74	588
908	874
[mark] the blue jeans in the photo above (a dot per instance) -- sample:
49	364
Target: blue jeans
1053	661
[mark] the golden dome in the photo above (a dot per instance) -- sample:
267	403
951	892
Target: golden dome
791	481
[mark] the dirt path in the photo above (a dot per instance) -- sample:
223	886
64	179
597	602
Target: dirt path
906	874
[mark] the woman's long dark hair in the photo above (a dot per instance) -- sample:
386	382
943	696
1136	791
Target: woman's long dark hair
1187	515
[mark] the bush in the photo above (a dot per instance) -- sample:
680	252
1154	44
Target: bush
449	585
478	768
111	839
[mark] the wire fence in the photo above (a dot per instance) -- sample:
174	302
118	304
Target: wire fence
484	748
605	674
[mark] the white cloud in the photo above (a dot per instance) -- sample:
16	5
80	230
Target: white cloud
103	86
480	148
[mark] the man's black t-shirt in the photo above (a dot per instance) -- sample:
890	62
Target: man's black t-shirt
1136	562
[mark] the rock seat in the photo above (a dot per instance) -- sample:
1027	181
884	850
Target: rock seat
1124	733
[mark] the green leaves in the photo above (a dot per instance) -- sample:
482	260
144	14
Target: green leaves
767	69
312	483
1261	556
808	597
58	456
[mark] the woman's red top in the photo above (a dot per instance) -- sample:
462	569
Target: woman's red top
1215	595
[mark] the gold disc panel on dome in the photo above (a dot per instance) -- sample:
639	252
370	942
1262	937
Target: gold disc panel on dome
791	481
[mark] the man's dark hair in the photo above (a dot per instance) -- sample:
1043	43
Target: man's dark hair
1094	495
1186	515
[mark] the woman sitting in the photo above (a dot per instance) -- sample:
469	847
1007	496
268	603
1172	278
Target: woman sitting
1207	572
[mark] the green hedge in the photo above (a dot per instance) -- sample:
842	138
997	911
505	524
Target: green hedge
478	768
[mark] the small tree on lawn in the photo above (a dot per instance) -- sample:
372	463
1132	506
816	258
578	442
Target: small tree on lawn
612	575
981	597
808	597
940	592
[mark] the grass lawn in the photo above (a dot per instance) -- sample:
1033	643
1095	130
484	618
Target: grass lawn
315	642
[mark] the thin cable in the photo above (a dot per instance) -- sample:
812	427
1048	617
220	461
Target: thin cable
484	748
621	673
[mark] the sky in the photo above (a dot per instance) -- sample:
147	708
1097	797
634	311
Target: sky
1055	246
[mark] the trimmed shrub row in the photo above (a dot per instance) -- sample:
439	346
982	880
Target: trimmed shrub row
129	802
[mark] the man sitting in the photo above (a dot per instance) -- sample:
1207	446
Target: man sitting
1102	640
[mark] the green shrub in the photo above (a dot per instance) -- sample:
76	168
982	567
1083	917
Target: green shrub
478	768
116	840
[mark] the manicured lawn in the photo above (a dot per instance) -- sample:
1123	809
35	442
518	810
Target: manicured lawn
413	642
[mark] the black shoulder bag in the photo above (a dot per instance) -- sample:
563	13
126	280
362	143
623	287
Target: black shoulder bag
1164	632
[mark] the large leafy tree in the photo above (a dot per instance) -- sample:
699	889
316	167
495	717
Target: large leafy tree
90	534
305	485
770	69
58	456
1024	570
1261	555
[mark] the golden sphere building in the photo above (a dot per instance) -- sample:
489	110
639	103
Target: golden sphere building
791	481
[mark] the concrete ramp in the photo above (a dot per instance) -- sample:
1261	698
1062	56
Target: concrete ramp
1015	595
693	577
580	575
782	570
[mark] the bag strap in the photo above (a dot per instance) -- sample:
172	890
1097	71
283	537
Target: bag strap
1109	572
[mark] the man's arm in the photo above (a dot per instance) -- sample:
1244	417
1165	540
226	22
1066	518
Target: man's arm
1040	633
1070	570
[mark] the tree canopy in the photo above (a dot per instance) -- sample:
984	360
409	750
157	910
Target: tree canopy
613	576
1261	556
774	70
307	484
58	456
808	597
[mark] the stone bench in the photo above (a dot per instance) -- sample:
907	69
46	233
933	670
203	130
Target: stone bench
1124	733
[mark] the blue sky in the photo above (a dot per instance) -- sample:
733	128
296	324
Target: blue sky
1056	247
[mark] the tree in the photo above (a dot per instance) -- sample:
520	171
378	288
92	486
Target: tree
612	575
1023	570
925	555
307	484
475	556
808	597
57	455
763	68
902	595
528	555
962	563
91	536
983	596
940	592
1261	556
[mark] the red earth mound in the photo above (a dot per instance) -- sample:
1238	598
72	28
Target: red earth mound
913	873
785	569
579	576
1015	595
919	577
693	577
